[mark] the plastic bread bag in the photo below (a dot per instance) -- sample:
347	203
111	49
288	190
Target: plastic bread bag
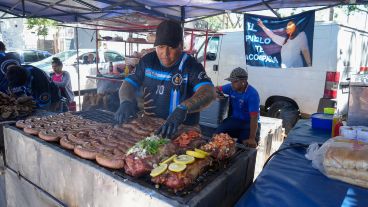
342	159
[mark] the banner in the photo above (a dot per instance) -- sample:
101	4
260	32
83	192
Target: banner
279	43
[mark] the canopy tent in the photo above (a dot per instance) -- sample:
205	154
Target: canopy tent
133	22
67	11
130	15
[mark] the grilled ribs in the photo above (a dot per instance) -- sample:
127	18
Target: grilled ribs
178	181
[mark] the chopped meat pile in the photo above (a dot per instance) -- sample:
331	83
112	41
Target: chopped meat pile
221	147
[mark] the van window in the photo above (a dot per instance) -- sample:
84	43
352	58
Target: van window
212	48
30	56
84	58
113	57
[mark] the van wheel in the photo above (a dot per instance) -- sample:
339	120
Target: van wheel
286	111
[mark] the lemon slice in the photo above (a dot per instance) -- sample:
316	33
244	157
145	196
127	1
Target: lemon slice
201	151
177	167
158	170
184	159
195	154
168	160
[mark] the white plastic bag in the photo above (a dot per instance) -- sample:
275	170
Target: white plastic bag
316	154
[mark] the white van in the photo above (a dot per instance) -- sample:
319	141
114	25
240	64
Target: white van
286	93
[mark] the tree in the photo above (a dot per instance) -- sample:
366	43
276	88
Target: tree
350	9
41	25
225	21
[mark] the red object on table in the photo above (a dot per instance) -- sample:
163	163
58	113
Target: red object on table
72	106
337	128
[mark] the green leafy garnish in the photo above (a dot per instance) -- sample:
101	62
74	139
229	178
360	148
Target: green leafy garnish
150	145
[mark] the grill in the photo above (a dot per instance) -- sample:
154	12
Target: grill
185	195
221	185
97	115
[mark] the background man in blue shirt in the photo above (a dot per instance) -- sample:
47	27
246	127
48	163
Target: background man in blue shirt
242	122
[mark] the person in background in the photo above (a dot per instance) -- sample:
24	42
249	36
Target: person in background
85	60
242	122
62	79
293	47
18	77
91	58
6	60
175	86
29	80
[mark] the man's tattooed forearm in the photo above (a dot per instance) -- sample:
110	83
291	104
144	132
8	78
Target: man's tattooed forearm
201	99
126	92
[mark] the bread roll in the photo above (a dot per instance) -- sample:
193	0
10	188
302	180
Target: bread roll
348	162
353	181
346	157
351	173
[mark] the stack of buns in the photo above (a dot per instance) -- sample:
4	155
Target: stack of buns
347	160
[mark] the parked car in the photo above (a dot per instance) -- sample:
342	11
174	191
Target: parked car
69	59
30	56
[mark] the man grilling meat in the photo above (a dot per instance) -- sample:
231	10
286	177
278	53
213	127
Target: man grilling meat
175	86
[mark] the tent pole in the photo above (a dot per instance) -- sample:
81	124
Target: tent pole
182	18
182	14
23	9
191	42
271	9
97	56
77	43
205	49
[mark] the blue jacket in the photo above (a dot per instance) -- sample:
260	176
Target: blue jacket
6	60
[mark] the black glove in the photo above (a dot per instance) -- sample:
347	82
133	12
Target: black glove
172	123
125	111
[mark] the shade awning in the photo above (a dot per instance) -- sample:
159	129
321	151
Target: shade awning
67	11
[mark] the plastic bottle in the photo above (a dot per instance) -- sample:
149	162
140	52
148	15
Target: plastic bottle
126	70
337	128
111	68
336	124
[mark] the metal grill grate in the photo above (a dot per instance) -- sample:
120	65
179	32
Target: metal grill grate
97	115
190	192
217	180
